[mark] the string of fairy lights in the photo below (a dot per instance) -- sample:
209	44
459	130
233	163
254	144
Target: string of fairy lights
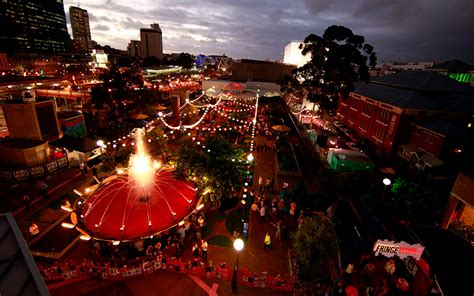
226	109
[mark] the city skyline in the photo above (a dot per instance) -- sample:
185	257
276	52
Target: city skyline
420	30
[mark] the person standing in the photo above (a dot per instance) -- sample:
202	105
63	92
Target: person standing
83	167
26	203
95	172
204	249
260	184
267	242
42	188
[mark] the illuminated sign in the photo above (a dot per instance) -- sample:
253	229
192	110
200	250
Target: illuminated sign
401	249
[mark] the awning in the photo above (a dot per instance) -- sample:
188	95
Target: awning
78	144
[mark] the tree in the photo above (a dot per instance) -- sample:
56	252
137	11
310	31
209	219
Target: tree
338	59
415	198
185	60
314	244
218	166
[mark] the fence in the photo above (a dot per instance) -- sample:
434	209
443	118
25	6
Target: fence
149	265
16	175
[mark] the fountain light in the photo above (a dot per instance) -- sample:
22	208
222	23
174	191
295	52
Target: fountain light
66	208
77	192
67	225
141	166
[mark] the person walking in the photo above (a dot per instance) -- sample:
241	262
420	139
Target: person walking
267	243
262	213
278	231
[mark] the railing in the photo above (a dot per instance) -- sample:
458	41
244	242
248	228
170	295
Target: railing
148	265
21	174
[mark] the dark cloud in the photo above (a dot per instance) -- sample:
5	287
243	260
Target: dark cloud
410	30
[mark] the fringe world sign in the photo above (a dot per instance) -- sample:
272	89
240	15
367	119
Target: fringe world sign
401	249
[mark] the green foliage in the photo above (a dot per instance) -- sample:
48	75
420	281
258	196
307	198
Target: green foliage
339	58
217	166
314	243
419	200
185	60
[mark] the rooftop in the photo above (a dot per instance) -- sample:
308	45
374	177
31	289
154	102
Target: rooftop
453	66
21	143
420	90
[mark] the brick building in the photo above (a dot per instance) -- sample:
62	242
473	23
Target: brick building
384	111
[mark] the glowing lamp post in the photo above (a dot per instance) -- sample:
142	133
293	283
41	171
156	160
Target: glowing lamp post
250	157
238	246
386	182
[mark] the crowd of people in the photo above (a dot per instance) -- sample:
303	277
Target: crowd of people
171	243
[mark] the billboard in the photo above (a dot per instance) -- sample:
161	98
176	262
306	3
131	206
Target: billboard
73	126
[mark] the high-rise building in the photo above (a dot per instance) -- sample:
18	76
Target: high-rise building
81	32
133	48
151	44
33	26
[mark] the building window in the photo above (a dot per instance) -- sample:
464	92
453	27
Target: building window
368	108
364	124
384	115
355	103
429	138
379	133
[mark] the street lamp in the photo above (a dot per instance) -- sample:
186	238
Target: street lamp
238	246
250	157
386	182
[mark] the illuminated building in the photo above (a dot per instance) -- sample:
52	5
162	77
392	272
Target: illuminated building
33	26
99	58
456	70
81	31
151	44
293	55
423	114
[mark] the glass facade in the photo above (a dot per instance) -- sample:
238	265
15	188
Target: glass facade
33	26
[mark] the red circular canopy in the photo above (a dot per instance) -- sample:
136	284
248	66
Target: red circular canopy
122	210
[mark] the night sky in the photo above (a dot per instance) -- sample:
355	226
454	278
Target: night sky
400	30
